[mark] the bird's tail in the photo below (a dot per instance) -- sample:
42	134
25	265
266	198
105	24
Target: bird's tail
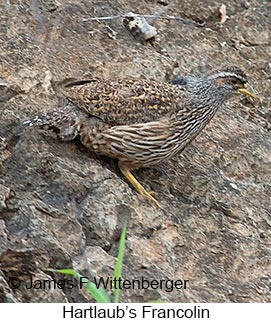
63	123
62	87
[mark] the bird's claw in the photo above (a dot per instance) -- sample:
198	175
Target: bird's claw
149	196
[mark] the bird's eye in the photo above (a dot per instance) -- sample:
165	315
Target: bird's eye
234	81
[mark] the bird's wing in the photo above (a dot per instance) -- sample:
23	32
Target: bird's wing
124	101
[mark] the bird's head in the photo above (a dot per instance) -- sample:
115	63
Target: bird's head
231	80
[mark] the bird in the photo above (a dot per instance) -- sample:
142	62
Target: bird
141	122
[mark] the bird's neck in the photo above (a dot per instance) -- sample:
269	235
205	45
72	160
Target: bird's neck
202	98
201	102
205	93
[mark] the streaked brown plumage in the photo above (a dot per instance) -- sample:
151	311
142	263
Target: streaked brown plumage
141	122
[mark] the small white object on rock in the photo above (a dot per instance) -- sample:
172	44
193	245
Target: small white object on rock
139	27
223	14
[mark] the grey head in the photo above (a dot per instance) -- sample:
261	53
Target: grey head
230	81
216	87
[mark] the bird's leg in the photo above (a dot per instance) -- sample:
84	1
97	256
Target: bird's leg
134	182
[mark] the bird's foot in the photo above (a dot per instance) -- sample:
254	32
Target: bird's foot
134	182
148	195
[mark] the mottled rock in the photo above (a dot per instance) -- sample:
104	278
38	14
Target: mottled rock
63	207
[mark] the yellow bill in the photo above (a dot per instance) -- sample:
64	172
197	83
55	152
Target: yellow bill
247	90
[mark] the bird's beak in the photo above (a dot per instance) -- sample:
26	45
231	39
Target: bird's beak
247	90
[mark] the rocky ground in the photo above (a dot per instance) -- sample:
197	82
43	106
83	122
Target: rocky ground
63	207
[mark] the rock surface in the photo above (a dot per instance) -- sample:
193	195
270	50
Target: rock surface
63	207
